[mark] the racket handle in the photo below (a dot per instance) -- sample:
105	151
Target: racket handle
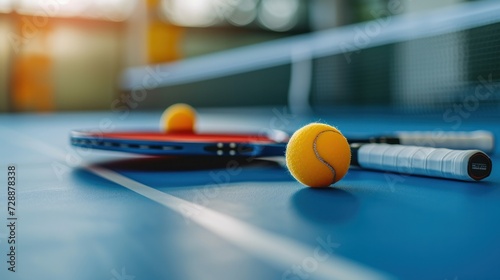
461	140
468	165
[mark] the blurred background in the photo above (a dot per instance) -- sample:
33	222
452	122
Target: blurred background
76	55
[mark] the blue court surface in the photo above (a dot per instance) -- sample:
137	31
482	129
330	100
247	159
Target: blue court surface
83	214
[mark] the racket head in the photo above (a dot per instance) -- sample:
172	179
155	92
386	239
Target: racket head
272	143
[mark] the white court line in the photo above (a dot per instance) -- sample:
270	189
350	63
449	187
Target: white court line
280	251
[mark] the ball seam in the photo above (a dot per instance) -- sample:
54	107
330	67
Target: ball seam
321	158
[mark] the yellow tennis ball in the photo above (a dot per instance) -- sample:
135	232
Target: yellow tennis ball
318	155
178	118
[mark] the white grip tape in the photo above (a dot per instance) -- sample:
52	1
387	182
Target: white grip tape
460	140
435	162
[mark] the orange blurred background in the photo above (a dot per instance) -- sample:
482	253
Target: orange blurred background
62	55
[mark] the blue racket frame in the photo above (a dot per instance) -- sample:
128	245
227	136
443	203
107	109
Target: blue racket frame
183	148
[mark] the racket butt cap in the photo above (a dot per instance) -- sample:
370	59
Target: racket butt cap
479	166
